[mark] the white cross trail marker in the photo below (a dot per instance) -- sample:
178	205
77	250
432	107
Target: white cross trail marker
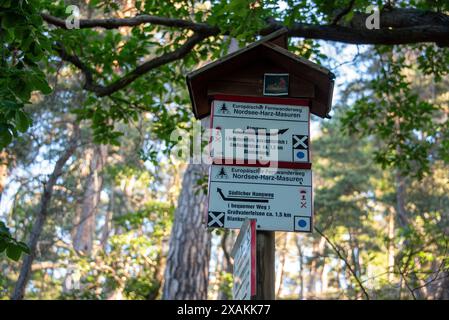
216	219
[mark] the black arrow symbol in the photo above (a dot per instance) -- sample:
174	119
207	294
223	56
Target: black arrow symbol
282	131
240	199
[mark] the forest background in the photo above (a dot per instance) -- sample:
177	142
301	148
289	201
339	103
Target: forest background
93	206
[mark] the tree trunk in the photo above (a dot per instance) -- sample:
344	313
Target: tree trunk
3	171
443	292
318	249
226	265
301	268
158	272
281	270
404	221
391	229
313	270
324	278
25	270
187	269
400	200
84	235
355	254
106	230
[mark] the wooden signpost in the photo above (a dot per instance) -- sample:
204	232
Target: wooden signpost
259	100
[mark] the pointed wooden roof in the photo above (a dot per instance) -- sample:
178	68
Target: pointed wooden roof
274	48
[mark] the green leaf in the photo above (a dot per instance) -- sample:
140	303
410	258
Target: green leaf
3	245
42	85
10	20
21	89
9	104
5	137
23	122
349	16
13	251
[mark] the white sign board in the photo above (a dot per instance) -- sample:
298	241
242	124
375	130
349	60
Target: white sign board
279	199
260	131
244	255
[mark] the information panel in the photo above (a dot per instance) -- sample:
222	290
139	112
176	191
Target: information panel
279	199
260	131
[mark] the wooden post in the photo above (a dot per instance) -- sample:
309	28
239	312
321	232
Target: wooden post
265	265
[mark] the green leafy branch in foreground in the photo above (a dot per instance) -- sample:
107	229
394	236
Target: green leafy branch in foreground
23	46
13	248
403	124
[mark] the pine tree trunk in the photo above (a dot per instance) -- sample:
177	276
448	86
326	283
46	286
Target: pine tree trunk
313	270
443	293
400	201
158	273
84	235
301	268
391	251
187	269
281	269
41	217
226	265
324	278
318	249
106	230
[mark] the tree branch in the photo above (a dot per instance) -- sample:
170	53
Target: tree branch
398	26
73	59
384	36
114	23
337	251
402	274
342	13
102	91
41	217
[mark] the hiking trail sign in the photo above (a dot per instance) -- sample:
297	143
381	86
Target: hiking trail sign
280	199
258	101
246	128
244	255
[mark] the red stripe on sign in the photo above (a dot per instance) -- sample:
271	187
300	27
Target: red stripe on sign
206	214
253	257
273	100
